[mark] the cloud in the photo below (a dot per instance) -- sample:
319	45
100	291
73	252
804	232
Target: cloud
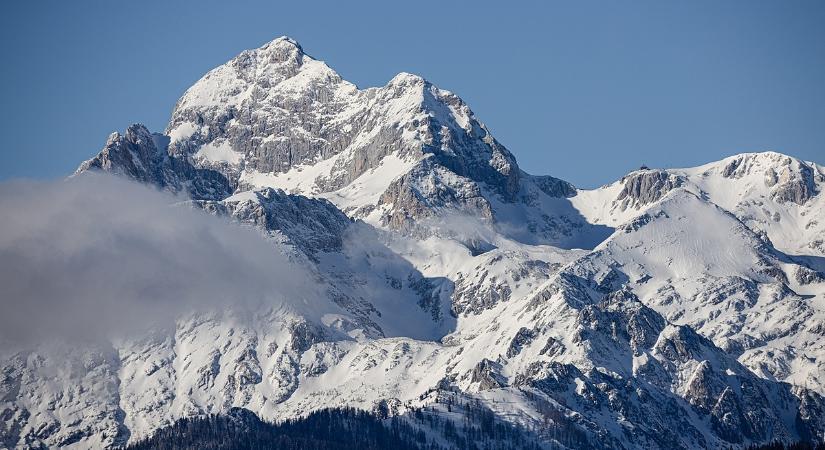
95	254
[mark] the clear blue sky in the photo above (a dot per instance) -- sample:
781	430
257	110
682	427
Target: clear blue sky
581	90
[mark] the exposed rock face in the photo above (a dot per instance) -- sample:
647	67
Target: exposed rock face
269	105
554	187
640	327
425	191
310	224
486	374
493	280
142	156
647	186
789	180
134	154
523	338
637	360
805	275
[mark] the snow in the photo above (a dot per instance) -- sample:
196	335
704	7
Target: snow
367	188
220	152
748	195
214	89
243	196
311	72
182	132
298	180
707	238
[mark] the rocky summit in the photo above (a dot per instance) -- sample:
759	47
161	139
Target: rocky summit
674	308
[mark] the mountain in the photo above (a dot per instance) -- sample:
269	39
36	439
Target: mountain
674	308
748	273
771	193
393	156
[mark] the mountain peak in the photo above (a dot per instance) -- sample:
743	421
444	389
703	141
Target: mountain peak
283	45
270	113
284	41
406	79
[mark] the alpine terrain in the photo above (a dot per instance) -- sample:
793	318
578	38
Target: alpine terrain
674	308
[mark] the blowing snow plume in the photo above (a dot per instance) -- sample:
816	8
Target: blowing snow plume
96	254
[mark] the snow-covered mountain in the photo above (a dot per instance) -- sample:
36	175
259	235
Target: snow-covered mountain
679	308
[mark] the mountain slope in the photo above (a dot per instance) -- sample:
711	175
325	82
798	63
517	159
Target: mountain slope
769	192
697	264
